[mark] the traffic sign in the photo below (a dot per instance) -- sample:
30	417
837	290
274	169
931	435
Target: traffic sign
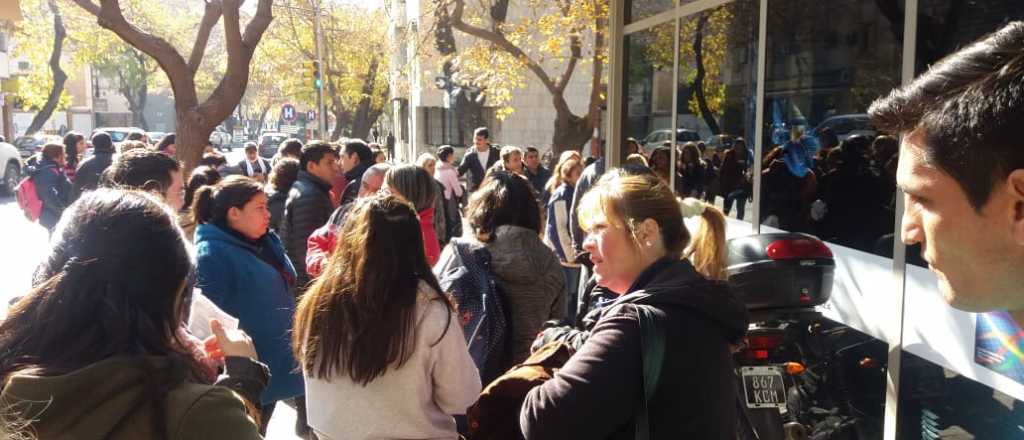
311	115
288	112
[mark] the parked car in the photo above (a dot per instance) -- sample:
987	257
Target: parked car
155	136
657	137
10	172
29	145
269	142
120	134
220	139
845	126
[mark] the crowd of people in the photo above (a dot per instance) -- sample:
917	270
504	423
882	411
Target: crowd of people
330	275
331	260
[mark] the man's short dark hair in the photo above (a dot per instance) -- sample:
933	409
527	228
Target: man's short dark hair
314	151
250	146
141	168
360	149
290	147
532	150
482	132
213	160
969	108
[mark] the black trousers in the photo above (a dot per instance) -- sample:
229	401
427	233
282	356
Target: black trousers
301	427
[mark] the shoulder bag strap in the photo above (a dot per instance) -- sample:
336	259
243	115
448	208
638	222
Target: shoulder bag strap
652	347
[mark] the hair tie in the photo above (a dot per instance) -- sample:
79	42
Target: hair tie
691	207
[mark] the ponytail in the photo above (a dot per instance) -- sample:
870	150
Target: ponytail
202	205
212	202
707	249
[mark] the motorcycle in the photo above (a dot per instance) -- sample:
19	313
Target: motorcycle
799	375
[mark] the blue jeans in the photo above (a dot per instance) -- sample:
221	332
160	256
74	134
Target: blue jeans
572	282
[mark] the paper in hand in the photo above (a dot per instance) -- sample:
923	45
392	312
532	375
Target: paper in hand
203	310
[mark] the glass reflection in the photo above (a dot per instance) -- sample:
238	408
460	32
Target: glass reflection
715	104
648	91
826	170
640	9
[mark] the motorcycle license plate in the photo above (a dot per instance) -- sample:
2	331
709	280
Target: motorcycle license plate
763	387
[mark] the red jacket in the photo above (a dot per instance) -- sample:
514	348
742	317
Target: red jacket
321	243
319	247
431	246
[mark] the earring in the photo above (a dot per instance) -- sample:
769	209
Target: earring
649	244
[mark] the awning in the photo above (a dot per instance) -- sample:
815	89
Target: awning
10	10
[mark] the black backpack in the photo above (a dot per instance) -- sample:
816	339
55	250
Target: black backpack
481	306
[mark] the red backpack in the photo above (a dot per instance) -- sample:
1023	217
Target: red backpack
28	199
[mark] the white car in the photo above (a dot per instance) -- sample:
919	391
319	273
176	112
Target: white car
10	167
121	134
220	139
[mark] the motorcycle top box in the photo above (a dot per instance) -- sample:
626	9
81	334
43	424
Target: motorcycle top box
780	271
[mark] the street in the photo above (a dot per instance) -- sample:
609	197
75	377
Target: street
25	245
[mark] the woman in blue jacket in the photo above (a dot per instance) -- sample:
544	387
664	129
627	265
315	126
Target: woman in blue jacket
556	231
242	268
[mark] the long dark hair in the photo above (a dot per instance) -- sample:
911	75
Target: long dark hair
359	317
112	286
71	140
167	140
414	184
201	176
212	202
504	198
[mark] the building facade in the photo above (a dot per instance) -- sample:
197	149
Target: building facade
766	69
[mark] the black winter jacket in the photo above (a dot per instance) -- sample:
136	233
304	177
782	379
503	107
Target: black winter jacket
354	177
53	189
596	394
308	207
275	204
87	176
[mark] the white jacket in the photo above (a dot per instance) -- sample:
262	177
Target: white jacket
416	401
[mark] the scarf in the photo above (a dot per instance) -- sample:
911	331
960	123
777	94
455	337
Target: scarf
249	170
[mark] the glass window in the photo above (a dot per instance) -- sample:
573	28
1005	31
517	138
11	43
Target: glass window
715	106
648	92
826	171
640	9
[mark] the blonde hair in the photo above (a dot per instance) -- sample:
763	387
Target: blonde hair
626	201
562	172
637	159
556	174
424	158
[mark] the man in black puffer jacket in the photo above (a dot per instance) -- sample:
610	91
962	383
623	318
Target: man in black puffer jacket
309	204
87	176
356	157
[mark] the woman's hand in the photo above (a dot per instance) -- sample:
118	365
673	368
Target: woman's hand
227	342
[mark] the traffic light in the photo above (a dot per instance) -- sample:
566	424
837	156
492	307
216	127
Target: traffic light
314	70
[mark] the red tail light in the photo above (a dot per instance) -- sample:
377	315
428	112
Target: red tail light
798	248
764	342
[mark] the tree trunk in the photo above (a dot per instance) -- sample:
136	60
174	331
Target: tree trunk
363	121
263	119
571	131
192	138
59	77
342	119
698	80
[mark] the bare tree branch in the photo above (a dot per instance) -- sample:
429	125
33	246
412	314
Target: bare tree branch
501	42
109	16
214	9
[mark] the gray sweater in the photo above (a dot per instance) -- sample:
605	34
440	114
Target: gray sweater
533	280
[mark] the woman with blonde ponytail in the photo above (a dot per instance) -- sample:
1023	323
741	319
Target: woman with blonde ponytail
707	248
639	246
